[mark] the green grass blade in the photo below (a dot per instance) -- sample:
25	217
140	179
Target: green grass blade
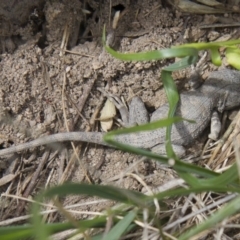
173	98
182	64
151	55
27	231
179	165
145	127
154	55
190	179
230	176
200	189
215	56
233	57
120	228
15	232
209	45
107	192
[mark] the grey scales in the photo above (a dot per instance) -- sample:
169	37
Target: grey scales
220	91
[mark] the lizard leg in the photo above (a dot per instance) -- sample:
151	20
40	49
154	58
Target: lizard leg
215	127
222	102
120	105
137	113
195	80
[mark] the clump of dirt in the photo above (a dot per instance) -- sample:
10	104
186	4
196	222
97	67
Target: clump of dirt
52	63
18	21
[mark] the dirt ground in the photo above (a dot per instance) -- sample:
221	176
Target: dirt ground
42	84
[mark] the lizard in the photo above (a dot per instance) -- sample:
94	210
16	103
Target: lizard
220	91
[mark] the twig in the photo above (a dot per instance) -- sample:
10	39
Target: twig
45	76
78	53
33	180
76	150
87	89
219	25
64	42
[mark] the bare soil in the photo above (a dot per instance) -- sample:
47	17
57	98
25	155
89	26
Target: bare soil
41	82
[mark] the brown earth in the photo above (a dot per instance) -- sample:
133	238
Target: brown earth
40	82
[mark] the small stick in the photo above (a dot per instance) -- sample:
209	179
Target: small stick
33	180
220	25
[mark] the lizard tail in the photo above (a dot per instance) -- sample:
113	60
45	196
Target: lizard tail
91	137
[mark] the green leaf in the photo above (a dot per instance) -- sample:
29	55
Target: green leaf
181	64
154	55
145	127
107	192
233	57
120	228
200	189
215	56
173	98
15	232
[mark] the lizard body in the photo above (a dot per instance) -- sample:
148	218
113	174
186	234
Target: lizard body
220	91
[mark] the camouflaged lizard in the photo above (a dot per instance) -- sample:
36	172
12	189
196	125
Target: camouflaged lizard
220	91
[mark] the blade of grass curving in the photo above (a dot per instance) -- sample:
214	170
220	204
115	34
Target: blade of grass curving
110	137
191	180
151	55
223	213
232	57
173	98
170	86
230	176
48	229
189	56
209	45
154	55
178	166
27	231
15	232
107	192
200	189
182	64
145	127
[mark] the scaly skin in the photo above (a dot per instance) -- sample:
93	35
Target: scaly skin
197	105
